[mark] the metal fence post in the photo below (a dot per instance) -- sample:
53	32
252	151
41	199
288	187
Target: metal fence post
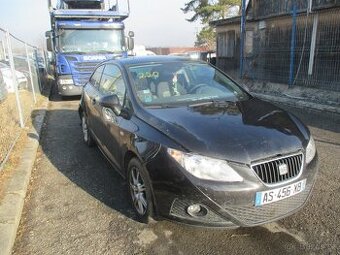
30	71
14	78
37	67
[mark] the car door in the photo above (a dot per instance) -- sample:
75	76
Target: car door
91	96
111	83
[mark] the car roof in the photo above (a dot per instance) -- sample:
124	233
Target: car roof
149	59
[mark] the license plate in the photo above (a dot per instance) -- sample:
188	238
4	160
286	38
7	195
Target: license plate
274	195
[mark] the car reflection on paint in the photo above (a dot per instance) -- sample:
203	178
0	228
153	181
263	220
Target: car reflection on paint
194	146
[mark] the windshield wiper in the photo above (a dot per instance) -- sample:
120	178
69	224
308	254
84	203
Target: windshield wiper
159	106
201	103
209	102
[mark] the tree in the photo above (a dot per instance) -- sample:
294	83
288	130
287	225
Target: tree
207	11
206	38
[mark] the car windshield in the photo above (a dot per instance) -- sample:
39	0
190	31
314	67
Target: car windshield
91	41
183	82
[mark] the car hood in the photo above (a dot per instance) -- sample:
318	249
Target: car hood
241	132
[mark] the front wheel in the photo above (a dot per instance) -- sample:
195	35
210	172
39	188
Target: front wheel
139	188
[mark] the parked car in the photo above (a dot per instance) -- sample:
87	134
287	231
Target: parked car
3	90
194	146
7	76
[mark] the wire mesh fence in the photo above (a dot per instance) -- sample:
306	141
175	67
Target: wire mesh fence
22	70
300	48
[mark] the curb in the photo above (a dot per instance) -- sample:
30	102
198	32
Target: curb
298	103
15	191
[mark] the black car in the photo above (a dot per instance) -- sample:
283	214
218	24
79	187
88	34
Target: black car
194	146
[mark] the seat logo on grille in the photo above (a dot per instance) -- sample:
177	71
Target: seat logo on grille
283	169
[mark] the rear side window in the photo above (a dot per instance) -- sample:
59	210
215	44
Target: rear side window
96	76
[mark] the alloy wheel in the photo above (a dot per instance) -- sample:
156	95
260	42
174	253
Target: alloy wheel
138	191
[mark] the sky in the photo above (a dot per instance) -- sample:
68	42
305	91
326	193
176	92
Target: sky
154	24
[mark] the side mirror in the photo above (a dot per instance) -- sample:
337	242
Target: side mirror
48	36
131	41
111	102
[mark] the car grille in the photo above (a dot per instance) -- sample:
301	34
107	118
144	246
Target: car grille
269	171
251	215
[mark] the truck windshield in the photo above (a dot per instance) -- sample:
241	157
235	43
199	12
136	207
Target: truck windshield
91	41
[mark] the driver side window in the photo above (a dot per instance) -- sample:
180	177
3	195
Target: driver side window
112	82
96	76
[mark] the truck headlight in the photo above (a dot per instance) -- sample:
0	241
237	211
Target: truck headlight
65	81
310	150
205	168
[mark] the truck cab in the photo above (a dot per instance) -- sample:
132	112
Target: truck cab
82	38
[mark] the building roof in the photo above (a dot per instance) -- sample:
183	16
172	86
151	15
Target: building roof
228	21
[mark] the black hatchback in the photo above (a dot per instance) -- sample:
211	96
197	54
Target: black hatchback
194	146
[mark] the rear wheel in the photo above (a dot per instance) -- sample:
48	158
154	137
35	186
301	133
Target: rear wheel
139	188
86	133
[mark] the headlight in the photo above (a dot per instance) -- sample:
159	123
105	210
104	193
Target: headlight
310	150
205	168
65	81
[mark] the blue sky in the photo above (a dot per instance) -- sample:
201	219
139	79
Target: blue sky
155	23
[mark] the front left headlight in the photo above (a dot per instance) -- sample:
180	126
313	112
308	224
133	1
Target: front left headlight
205	168
310	150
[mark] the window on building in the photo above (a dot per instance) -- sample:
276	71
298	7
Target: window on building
226	44
249	43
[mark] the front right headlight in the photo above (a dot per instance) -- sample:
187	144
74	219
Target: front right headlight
310	150
205	168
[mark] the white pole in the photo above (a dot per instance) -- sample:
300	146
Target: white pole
14	78
312	45
30	71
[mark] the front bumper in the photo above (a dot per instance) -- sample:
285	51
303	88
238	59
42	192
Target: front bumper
69	89
228	205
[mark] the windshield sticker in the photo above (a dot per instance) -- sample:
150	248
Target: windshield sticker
153	75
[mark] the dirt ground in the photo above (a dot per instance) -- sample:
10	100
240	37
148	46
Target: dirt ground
77	204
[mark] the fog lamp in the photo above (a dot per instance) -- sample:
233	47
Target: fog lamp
197	210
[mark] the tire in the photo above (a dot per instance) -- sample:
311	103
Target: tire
86	132
138	176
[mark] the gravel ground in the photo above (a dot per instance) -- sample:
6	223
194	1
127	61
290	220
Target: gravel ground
77	204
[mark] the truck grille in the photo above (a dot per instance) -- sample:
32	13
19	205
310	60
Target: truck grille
251	215
269	171
85	67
